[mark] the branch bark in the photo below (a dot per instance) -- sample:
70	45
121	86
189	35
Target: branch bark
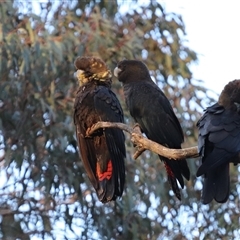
142	143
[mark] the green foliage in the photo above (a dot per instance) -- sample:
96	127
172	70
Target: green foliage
45	192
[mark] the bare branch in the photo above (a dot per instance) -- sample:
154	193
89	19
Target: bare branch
142	143
99	125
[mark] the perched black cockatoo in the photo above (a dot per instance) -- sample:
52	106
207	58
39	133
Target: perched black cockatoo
219	143
152	111
102	153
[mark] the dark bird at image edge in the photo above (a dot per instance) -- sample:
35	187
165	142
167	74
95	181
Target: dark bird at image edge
219	143
102	153
153	112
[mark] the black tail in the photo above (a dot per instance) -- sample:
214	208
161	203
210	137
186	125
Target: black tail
175	169
111	182
106	190
216	185
111	185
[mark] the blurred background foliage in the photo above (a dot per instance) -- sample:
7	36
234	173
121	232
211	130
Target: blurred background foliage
45	193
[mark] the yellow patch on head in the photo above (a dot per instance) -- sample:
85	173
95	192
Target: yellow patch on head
92	68
102	76
81	77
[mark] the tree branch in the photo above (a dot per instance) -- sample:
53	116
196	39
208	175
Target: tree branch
142	143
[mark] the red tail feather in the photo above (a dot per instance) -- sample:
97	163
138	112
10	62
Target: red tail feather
172	180
169	170
107	174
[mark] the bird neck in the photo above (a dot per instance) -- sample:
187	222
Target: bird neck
103	82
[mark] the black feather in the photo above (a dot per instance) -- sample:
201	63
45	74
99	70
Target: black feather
96	102
152	111
219	143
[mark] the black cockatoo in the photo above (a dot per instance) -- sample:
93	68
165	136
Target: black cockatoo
152	111
102	153
219	143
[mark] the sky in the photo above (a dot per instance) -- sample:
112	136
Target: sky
212	29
